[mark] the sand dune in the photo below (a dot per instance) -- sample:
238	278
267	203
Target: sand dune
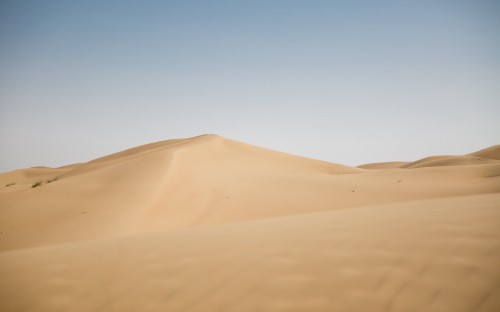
438	161
212	224
384	165
490	155
492	152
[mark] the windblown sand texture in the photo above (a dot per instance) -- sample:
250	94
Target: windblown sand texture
212	224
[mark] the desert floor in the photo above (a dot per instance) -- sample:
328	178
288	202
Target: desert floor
212	224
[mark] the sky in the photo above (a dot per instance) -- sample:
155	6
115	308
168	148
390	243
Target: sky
349	82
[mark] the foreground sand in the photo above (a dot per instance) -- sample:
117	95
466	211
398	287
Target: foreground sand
211	224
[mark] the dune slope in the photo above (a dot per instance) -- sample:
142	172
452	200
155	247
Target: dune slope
212	224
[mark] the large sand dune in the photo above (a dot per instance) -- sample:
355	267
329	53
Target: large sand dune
211	224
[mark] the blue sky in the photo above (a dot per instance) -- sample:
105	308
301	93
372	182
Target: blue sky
344	81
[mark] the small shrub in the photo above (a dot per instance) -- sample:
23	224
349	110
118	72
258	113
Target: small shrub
52	180
37	183
11	183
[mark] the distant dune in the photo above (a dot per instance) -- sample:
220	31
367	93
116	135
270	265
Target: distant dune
488	155
384	165
492	152
212	224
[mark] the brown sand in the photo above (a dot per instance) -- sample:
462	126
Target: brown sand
211	224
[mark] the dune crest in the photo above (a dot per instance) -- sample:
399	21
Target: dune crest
212	224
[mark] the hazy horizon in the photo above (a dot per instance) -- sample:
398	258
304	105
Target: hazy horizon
344	82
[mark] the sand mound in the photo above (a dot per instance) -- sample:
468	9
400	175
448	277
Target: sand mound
492	152
212	224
